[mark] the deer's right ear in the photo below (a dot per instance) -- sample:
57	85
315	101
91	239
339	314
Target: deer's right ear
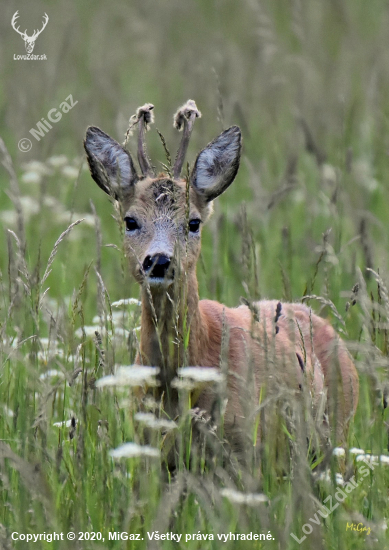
110	164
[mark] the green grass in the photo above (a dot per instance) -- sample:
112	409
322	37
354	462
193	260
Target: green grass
274	68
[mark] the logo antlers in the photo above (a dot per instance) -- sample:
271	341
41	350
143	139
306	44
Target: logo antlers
29	41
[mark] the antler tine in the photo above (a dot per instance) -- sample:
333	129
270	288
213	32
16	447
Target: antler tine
45	21
14	18
143	116
13	23
185	116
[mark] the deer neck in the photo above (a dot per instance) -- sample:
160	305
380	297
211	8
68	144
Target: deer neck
173	331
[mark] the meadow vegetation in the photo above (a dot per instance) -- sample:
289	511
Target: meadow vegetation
306	219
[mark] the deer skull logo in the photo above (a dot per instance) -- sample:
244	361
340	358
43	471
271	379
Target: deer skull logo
29	41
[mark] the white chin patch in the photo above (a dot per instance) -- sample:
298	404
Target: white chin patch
158	281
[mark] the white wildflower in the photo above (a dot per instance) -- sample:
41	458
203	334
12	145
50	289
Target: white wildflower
329	174
356	451
36	166
237	497
9	217
77	358
9	412
156	423
185	385
339	479
69	172
338	451
196	377
150	403
66	423
367	458
363	174
31	177
201	374
373	459
133	450
134	375
49	350
89	219
29	206
45	341
126	302
52	202
51	374
57	161
298	196
325	476
360	458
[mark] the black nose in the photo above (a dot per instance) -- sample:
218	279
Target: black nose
156	266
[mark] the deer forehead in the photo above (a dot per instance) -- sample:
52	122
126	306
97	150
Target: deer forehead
164	198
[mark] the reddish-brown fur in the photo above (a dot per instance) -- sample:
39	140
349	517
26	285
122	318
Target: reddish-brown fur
282	349
254	351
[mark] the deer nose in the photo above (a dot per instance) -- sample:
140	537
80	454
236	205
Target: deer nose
156	266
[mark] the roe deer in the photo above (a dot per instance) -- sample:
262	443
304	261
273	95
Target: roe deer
268	344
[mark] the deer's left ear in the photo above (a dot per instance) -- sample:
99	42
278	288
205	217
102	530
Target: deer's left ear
217	165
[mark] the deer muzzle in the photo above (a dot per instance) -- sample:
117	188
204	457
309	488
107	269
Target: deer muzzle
158	269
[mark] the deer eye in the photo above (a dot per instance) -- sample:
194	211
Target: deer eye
131	224
194	225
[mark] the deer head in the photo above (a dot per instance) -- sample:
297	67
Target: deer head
29	41
163	214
